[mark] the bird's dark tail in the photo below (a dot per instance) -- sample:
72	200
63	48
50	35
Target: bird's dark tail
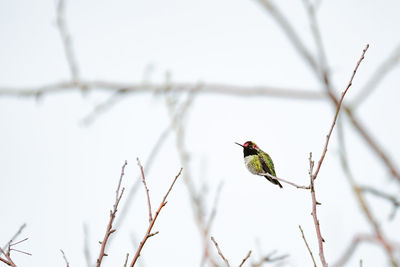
274	181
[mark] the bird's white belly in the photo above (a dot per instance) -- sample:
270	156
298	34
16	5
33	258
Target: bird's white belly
250	167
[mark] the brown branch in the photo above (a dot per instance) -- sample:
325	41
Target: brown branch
285	181
147	190
65	258
148	232
220	252
8	259
314	176
245	259
314	215
109	231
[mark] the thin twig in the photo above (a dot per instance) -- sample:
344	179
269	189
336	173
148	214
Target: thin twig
147	189
384	68
245	259
315	174
65	258
285	181
109	231
308	247
147	235
220	252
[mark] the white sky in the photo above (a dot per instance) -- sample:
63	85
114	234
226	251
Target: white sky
56	174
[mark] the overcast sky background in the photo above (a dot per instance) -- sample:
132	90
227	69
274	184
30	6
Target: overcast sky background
57	174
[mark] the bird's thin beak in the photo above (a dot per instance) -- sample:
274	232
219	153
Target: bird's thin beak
239	144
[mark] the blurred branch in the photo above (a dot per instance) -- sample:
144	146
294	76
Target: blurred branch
372	143
349	251
109	231
395	202
384	68
290	32
86	249
178	113
124	88
66	40
65	258
220	252
378	233
269	259
147	190
148	233
308	247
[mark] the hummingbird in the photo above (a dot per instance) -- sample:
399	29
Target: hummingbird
258	162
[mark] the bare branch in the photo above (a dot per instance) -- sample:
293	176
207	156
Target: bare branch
220	252
314	215
147	235
109	231
245	259
308	248
65	258
147	190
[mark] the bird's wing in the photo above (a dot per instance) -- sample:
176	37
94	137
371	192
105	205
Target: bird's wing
267	164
